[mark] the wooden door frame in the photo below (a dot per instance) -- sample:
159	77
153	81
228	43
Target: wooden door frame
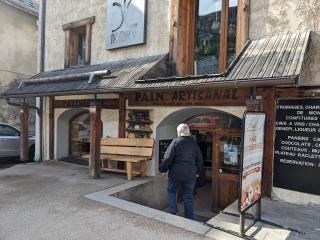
217	134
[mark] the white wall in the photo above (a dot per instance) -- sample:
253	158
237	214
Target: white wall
159	114
60	12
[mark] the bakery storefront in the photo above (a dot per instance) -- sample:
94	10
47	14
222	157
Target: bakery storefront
147	102
212	73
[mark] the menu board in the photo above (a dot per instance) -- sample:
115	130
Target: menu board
163	145
297	145
252	159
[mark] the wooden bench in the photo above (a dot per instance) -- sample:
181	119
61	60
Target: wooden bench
128	150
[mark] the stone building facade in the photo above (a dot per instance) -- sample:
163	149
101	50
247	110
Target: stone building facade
18	50
261	22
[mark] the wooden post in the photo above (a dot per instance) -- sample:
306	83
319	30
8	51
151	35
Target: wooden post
122	123
95	138
269	107
143	168
24	137
51	128
122	116
129	171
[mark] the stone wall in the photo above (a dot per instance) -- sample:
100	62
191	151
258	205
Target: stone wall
275	17
60	12
18	48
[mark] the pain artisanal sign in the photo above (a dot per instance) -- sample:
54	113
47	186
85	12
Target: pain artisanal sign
190	97
126	23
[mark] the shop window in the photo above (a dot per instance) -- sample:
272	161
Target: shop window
215	35
207	34
78	42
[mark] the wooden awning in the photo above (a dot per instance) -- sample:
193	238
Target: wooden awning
271	61
100	78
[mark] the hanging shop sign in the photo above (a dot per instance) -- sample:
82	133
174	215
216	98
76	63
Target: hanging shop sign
126	23
297	145
190	97
252	159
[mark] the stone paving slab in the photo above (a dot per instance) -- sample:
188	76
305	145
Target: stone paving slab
304	219
45	202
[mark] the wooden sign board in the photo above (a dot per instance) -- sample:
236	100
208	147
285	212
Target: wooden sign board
105	103
192	97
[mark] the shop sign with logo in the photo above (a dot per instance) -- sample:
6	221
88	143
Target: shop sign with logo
126	23
252	159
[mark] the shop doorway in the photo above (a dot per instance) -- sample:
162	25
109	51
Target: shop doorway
218	136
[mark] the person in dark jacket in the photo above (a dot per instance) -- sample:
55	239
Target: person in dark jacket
183	160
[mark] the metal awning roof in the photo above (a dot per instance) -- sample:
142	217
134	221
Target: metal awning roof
107	77
28	6
275	60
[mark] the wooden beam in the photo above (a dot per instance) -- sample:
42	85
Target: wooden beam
122	116
174	13
95	138
242	24
67	49
79	103
185	37
75	24
269	107
87	56
224	36
24	137
190	97
51	128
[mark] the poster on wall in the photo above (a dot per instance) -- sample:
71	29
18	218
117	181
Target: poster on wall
163	145
230	152
126	23
252	159
297	145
